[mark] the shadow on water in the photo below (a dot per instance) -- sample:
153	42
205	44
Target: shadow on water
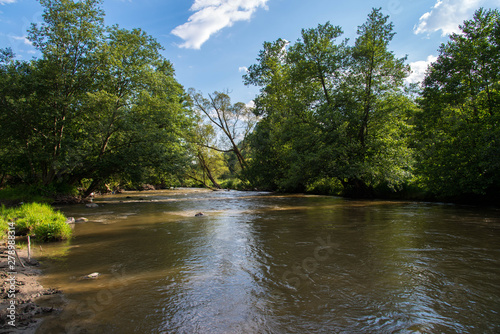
265	263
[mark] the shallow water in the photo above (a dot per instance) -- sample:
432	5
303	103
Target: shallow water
264	263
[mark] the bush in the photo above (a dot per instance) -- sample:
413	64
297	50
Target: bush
325	186
40	220
235	184
36	193
23	193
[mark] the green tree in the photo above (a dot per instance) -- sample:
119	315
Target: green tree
233	121
268	159
376	111
209	160
332	111
297	82
69	40
137	115
100	103
459	124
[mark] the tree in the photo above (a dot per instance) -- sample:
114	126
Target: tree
138	112
11	73
234	121
332	111
210	163
101	102
376	108
458	126
69	40
297	82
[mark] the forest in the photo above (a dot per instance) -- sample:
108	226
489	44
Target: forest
100	110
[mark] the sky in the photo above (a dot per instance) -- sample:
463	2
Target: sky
212	42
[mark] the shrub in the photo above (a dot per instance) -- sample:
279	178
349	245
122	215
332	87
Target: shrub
236	184
36	193
325	186
52	230
37	219
3	226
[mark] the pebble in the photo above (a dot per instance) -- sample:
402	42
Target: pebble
93	275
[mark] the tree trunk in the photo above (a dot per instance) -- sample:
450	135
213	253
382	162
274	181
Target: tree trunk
207	170
202	182
93	186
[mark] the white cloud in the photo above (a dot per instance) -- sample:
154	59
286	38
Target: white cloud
22	39
447	15
243	69
213	15
4	2
250	104
418	69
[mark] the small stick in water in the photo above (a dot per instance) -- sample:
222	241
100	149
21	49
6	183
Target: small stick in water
21	262
29	249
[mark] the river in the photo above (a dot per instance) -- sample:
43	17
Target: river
257	262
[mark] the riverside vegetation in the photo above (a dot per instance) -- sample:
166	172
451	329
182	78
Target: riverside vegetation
101	108
35	219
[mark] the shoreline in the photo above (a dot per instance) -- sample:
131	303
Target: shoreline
29	314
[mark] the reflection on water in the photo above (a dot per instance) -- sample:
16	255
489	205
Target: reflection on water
265	263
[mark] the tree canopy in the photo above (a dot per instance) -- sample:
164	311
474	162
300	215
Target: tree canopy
102	103
458	126
332	110
99	102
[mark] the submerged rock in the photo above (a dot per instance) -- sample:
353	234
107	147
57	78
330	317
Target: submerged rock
92	276
91	205
72	220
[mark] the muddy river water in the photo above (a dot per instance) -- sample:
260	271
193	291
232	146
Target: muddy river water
257	262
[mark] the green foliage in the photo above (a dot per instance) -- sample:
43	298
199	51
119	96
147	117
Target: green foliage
458	127
4	223
100	102
332	111
25	193
102	105
36	219
37	192
235	184
219	140
325	186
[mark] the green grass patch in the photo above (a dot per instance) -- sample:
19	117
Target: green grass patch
39	220
3	224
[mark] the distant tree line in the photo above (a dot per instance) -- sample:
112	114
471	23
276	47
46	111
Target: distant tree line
101	104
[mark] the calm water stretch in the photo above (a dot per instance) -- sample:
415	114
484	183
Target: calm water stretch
265	263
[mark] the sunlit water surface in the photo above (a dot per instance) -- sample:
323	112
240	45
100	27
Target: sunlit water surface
264	263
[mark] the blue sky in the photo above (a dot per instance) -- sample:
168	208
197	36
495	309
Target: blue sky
211	42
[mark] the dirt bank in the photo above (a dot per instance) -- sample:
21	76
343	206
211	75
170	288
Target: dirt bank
19	291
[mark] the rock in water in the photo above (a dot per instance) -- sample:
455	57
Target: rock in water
199	214
92	276
91	205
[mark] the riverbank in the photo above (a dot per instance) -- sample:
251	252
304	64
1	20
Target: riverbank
28	314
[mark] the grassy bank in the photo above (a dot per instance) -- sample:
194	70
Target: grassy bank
35	219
